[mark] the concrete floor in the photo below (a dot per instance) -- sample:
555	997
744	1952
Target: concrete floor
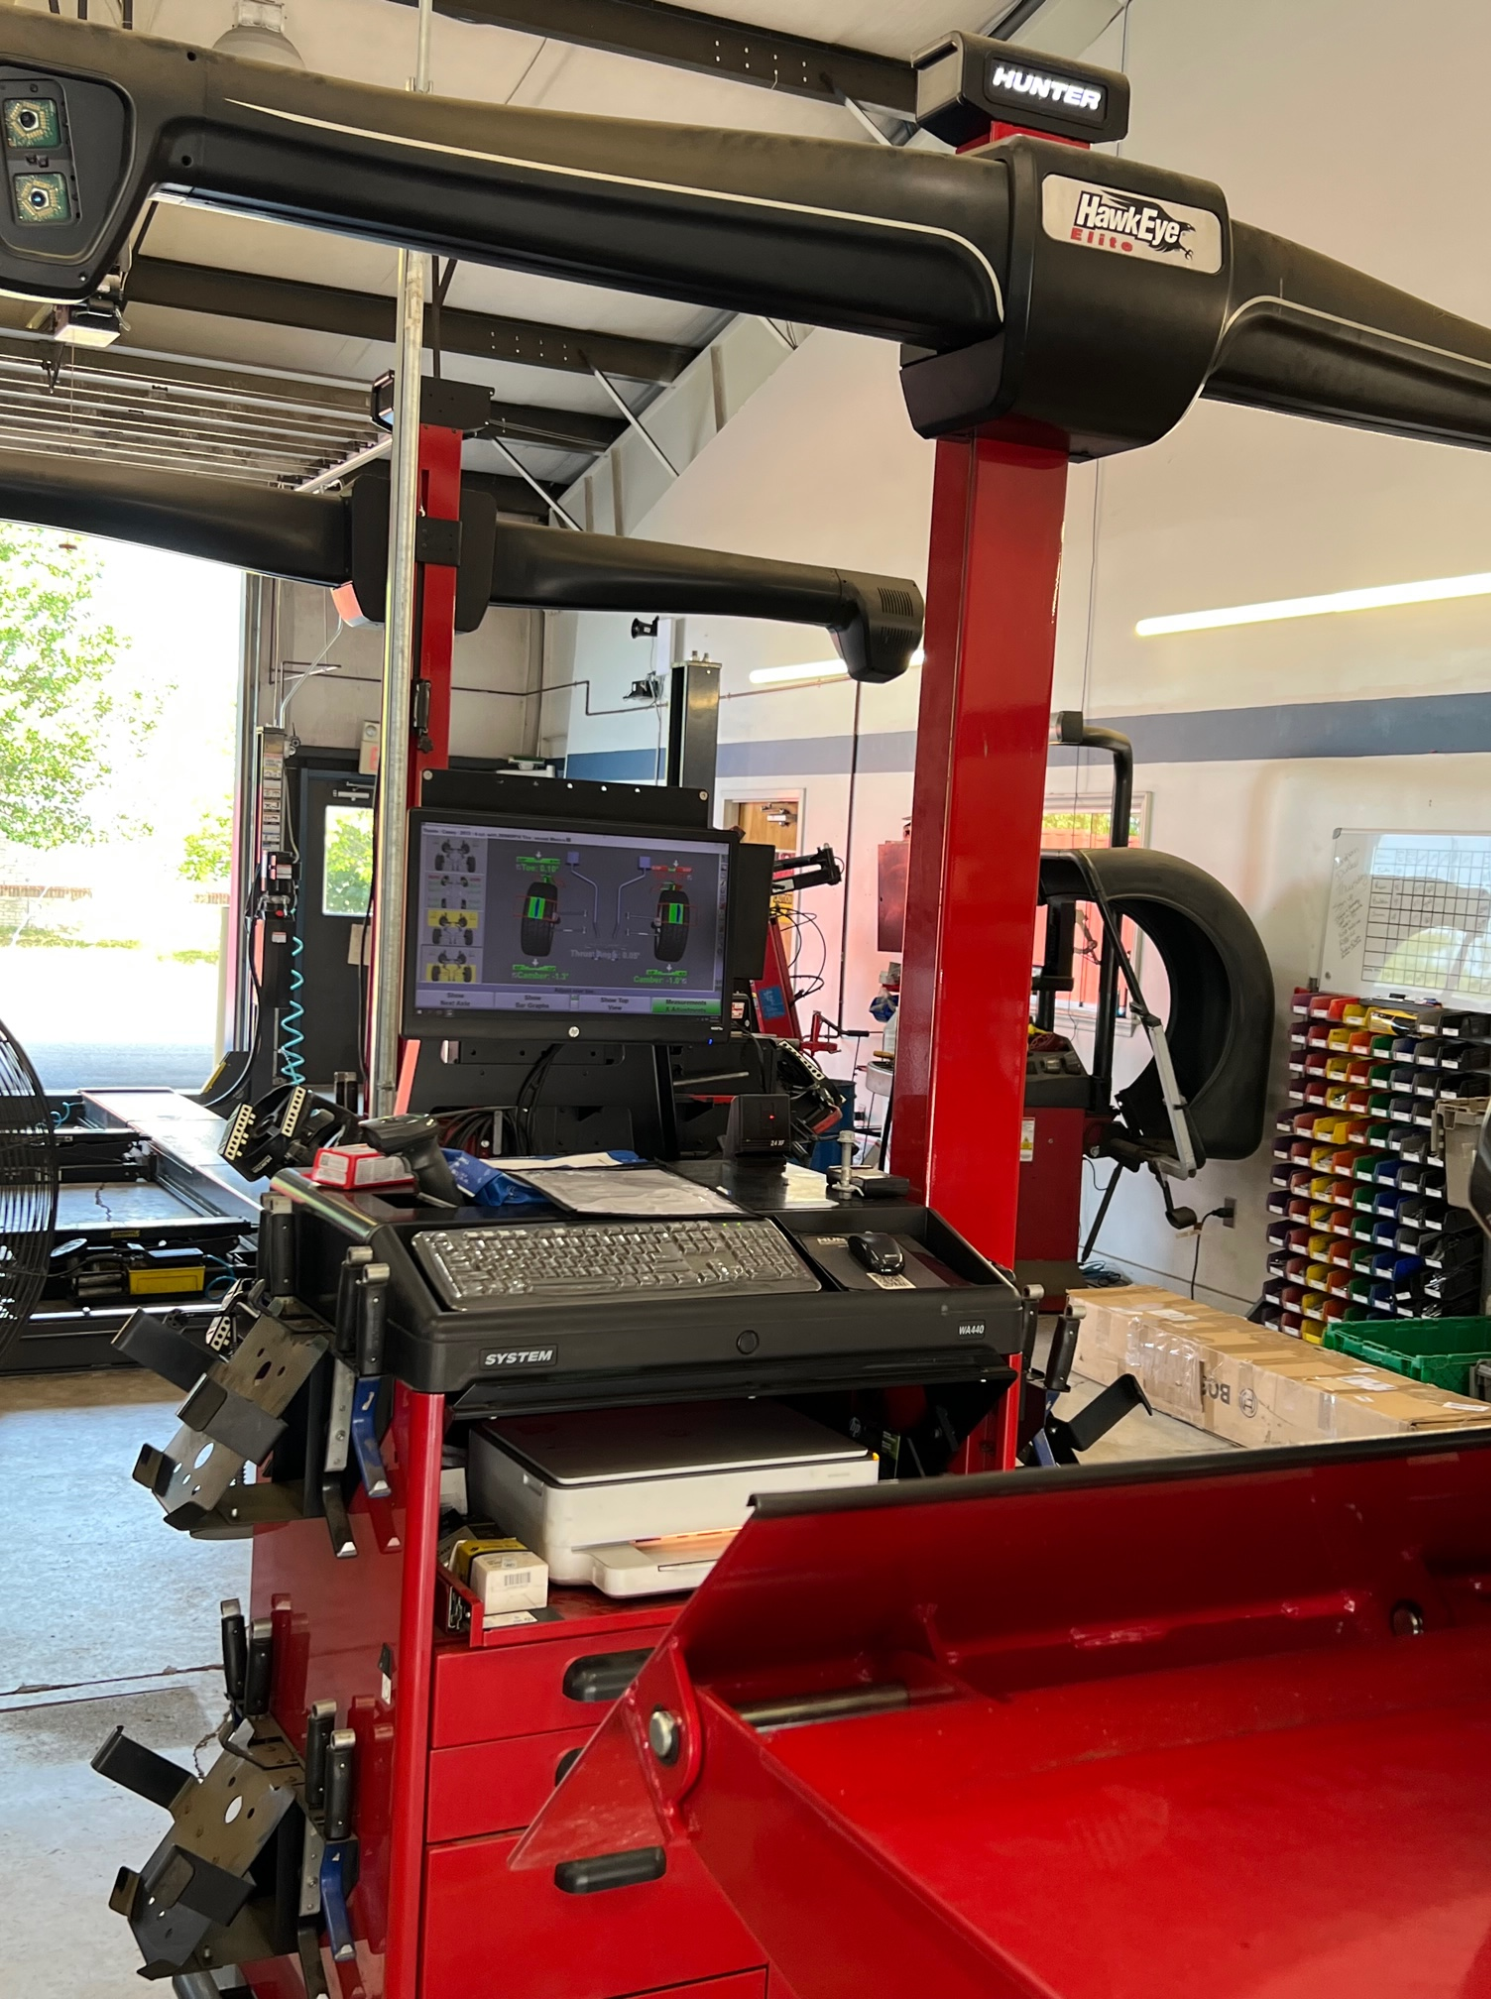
108	1618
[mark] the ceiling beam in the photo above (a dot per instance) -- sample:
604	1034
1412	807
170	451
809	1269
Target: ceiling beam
1011	18
161	281
679	36
560	430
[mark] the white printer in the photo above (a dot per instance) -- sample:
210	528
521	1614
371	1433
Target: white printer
635	1502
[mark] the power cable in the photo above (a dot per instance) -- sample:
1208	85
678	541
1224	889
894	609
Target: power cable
363	953
1101	1216
849	850
527	1100
312	672
1197	1253
437	299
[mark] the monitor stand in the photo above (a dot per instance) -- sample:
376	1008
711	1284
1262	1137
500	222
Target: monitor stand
594	1095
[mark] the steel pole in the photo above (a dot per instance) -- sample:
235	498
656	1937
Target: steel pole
401	623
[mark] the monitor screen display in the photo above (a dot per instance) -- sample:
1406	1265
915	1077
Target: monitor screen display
542	925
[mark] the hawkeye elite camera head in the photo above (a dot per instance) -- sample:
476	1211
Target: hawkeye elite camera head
1041	292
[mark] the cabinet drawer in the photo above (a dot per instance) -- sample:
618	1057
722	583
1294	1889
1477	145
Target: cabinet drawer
495	1786
533	1689
489	1929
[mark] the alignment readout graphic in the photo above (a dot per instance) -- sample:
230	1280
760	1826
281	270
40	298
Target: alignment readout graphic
514	920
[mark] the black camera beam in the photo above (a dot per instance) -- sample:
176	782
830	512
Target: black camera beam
1045	294
334	538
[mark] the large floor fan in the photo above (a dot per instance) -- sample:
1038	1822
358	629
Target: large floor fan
28	1189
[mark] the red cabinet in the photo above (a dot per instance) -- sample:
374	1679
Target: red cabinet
496	1691
483	1787
460	1739
488	1928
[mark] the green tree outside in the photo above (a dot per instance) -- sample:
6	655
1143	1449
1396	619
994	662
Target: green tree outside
66	719
349	860
207	854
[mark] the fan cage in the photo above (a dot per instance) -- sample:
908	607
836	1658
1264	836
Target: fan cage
28	1189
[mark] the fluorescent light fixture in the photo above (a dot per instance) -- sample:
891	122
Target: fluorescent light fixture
820	669
1437	590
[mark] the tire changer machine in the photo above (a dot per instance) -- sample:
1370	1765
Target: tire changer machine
1210	1728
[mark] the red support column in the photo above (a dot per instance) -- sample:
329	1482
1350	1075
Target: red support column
419	1424
440	500
435	586
976	832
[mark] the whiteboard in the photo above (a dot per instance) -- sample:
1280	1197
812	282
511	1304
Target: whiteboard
1408	916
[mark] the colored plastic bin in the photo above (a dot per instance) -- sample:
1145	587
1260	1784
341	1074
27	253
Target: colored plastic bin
1440	1351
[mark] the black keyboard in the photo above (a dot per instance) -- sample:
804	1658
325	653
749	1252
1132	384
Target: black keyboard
519	1265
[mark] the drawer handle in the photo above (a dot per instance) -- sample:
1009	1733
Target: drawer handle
610	1870
603	1676
565	1765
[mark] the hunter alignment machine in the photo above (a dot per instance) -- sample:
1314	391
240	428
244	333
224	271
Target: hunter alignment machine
1051	303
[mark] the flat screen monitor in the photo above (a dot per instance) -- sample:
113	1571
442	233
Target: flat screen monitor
524	929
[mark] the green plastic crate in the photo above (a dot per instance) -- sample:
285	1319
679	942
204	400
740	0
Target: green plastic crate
1440	1351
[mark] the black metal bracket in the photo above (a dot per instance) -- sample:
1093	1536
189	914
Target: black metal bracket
186	1905
437	541
1068	1436
212	1894
162	1345
232	1418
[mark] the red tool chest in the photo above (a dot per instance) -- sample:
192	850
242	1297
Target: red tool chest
470	1732
482	1920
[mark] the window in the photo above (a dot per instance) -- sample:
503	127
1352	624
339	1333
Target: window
347	860
1080	822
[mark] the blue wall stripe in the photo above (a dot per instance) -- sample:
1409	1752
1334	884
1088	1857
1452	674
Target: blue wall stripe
625	766
1410	726
818	756
1416	725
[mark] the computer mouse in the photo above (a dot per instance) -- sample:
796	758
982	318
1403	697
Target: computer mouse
880	1254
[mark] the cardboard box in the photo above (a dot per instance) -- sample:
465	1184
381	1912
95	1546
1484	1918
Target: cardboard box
500	1572
1246	1383
509	1579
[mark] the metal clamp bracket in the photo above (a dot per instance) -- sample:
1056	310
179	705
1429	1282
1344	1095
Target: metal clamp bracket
231	1418
160	1343
186	1903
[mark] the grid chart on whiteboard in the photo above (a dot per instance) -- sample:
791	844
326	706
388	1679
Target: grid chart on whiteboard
1426	916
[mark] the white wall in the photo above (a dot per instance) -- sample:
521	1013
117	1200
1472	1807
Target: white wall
1238	506
1298	114
494	678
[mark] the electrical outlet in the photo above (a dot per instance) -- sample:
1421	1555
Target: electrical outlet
1229	1215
